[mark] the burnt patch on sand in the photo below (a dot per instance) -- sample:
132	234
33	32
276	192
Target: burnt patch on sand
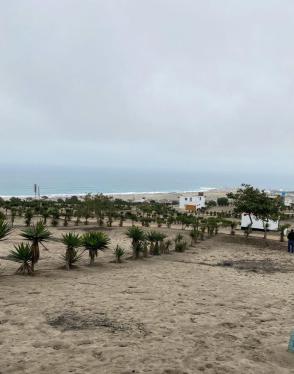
71	320
253	242
257	266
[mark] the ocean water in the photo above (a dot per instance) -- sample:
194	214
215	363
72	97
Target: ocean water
19	180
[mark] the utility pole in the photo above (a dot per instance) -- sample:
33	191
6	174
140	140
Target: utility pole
35	190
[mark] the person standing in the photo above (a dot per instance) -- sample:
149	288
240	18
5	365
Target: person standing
291	241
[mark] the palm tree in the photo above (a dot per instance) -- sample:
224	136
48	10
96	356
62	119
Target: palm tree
28	217
94	241
22	253
37	234
45	215
72	241
12	215
138	237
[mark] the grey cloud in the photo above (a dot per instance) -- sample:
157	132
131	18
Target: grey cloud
174	82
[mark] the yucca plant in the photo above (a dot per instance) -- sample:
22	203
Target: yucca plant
118	253
178	238
4	229
22	253
151	238
138	237
167	245
156	242
72	241
158	248
36	234
194	234
94	241
28	217
181	246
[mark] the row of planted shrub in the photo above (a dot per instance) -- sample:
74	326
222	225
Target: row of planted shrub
27	253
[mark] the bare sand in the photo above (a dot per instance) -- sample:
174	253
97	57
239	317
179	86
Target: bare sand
170	314
211	194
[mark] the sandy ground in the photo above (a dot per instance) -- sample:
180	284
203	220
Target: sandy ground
171	314
212	194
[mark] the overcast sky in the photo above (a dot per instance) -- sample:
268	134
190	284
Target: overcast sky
175	84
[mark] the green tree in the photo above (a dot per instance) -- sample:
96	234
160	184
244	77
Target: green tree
255	203
28	217
222	201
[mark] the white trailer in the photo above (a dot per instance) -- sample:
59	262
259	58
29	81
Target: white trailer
258	224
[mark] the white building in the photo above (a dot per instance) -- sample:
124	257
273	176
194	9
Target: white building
192	203
258	224
288	202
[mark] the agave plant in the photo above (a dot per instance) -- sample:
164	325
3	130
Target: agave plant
72	241
138	237
94	241
194	234
28	217
22	253
4	229
167	245
151	238
118	253
179	237
181	246
37	234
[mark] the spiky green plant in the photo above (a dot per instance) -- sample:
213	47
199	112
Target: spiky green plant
72	241
138	237
22	253
156	239
118	253
5	229
181	246
167	245
94	241
151	238
36	234
178	238
194	234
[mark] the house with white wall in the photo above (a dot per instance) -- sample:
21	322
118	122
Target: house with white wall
258	224
192	203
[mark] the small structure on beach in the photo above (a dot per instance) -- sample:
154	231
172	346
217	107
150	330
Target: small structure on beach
258	224
192	203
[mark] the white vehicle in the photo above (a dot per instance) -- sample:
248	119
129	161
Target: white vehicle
258	224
